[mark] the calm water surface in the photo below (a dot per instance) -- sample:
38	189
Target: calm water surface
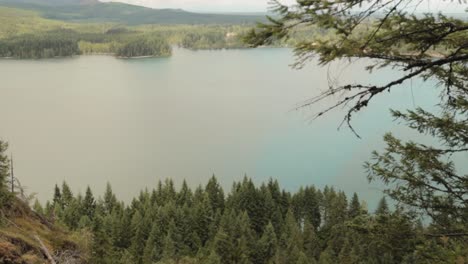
93	119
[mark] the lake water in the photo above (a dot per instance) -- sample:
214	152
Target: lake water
93	119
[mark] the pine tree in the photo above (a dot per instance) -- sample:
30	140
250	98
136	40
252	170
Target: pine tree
185	195
71	214
312	245
354	206
382	207
225	241
215	194
168	191
190	241
203	219
169	247
425	177
110	201
153	247
223	246
67	195
89	204
101	245
57	200
246	242
291	239
268	244
138	240
312	206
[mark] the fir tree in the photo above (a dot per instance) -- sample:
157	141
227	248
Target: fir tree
138	240
312	246
184	197
110	201
382	207
354	206
89	204
215	194
101	245
268	244
67	195
154	246
57	200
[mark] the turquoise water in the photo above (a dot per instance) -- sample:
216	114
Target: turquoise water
93	119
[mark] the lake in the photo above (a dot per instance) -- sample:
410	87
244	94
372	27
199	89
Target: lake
96	119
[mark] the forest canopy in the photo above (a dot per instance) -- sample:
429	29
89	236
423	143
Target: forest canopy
249	224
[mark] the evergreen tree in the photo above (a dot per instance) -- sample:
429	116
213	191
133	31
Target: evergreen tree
215	194
67	195
204	218
57	200
223	246
71	214
312	246
246	242
291	239
110	201
185	195
138	240
168	191
426	177
169	247
268	244
382	207
101	245
354	206
153	247
88	204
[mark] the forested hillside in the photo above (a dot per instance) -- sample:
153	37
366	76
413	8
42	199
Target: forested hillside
25	34
94	11
207	224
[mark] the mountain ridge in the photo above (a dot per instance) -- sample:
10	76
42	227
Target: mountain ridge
94	11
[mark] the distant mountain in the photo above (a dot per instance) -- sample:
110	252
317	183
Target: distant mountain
54	2
95	11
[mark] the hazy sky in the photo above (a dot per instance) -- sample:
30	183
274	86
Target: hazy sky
261	5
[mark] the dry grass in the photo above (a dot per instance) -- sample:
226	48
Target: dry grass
17	242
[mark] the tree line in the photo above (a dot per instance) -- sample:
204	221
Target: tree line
63	43
147	40
251	224
38	47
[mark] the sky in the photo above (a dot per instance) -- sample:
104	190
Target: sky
450	6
